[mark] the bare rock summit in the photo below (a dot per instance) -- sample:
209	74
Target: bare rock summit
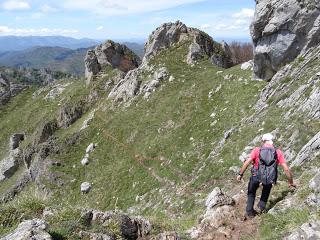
109	54
201	45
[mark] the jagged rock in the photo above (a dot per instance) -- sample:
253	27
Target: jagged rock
169	34
127	88
195	53
45	131
68	113
15	140
314	183
218	198
144	226
313	200
85	187
281	30
17	187
109	54
96	236
218	216
56	91
128	229
309	151
223	58
151	86
30	229
9	165
307	231
285	204
247	65
92	66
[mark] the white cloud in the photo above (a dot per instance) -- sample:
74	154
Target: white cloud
37	15
205	26
47	9
15	5
43	11
5	30
244	13
100	28
123	7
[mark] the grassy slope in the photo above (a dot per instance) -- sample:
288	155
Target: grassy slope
139	155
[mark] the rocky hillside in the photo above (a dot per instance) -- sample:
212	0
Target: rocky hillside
13	81
151	150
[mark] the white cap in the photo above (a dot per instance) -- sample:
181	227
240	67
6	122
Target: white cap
267	137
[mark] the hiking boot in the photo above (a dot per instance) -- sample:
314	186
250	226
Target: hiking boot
249	216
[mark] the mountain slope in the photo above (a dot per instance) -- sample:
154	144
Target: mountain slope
161	151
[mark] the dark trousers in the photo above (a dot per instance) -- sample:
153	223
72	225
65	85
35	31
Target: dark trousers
252	189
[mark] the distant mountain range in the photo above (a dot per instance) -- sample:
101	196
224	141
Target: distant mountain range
54	58
54	55
18	43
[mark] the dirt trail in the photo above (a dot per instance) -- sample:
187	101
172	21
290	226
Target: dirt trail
237	227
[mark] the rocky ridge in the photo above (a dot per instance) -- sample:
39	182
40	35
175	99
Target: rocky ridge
109	54
202	44
293	92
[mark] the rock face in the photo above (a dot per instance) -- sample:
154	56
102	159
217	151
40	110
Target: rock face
15	140
309	152
281	30
129	227
223	57
31	229
109	54
202	44
307	231
131	85
218	198
9	165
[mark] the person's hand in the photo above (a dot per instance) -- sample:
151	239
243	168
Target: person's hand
239	178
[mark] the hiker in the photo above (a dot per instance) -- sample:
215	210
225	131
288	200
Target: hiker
265	160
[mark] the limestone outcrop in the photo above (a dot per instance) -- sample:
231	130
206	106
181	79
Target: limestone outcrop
281	30
202	44
30	229
109	54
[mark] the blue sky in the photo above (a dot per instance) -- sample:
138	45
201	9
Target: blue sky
123	19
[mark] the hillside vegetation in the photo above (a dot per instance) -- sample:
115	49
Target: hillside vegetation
160	157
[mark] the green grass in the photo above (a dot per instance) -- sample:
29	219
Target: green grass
139	156
29	205
275	226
